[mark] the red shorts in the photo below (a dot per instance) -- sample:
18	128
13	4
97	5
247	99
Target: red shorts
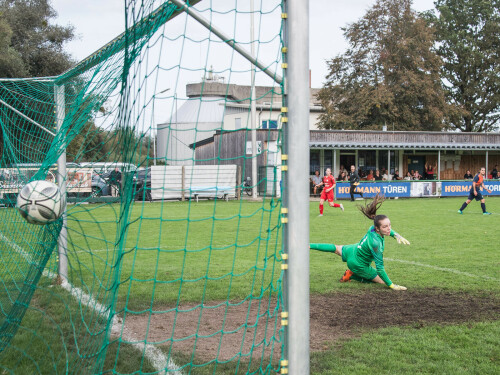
327	196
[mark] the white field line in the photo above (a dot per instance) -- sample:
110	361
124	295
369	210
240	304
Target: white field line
451	270
153	354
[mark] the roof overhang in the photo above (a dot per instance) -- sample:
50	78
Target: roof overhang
406	146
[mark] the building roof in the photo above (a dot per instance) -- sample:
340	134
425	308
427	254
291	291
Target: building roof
353	139
199	110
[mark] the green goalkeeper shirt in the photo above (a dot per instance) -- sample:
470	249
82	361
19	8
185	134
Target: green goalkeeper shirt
371	248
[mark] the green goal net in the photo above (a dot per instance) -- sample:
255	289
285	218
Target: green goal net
167	143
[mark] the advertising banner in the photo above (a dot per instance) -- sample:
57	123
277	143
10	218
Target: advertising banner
415	189
370	189
462	188
13	179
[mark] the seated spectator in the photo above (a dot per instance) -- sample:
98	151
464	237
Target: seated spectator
343	176
342	169
412	172
417	176
316	183
378	177
468	175
385	175
396	175
370	176
408	176
494	172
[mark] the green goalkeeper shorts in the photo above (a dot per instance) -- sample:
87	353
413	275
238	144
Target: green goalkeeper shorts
360	269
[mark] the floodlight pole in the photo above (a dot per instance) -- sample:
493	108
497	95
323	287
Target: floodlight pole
296	189
61	182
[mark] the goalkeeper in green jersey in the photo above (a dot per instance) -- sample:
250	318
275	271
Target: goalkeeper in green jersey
371	248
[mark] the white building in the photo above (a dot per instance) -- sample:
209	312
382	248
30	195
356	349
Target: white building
213	105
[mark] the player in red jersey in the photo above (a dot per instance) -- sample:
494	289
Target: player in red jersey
327	193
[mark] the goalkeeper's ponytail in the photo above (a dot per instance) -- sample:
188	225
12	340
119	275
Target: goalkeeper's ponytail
370	210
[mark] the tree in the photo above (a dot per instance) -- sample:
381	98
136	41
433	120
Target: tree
11	63
389	74
468	36
33	40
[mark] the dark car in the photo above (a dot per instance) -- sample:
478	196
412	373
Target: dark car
100	185
142	185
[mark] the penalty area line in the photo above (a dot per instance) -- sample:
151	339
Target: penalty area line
444	269
152	353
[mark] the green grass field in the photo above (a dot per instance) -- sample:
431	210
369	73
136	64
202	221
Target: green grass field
180	253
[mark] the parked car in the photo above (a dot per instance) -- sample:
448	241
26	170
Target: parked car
100	186
142	185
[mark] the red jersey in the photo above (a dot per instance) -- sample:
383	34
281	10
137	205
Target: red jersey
328	181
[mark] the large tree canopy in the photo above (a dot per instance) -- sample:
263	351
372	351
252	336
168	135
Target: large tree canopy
468	36
389	74
34	46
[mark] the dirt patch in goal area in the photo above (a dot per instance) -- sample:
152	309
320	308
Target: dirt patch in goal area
251	329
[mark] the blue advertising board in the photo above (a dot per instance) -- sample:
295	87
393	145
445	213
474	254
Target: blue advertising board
406	189
462	188
370	189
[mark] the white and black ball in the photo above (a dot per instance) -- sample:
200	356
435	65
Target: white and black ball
40	202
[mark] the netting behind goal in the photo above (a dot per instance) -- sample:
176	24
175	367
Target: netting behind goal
163	262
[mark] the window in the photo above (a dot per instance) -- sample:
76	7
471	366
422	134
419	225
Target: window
314	164
269	124
237	123
367	160
328	155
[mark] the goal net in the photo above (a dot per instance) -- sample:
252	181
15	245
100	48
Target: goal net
167	142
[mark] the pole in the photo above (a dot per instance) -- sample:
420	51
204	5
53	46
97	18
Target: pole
439	165
296	233
486	164
61	182
252	108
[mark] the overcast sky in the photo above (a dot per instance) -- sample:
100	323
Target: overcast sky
96	22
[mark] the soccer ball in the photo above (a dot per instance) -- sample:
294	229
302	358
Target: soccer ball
40	202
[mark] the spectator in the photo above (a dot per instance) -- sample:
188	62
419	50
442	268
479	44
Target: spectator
412	174
342	169
468	175
317	183
494	172
378	177
385	175
115	178
343	176
370	176
417	176
396	175
408	176
430	170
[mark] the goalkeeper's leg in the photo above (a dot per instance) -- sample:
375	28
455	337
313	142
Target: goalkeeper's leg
327	247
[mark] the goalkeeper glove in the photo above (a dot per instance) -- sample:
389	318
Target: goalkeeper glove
401	239
397	287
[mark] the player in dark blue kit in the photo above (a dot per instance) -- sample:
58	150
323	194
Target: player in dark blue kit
475	192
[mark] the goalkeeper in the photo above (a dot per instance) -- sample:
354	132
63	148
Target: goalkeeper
371	248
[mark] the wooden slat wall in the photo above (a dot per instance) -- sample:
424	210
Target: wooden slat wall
230	148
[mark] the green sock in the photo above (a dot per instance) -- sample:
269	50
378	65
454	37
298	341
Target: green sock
328	247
